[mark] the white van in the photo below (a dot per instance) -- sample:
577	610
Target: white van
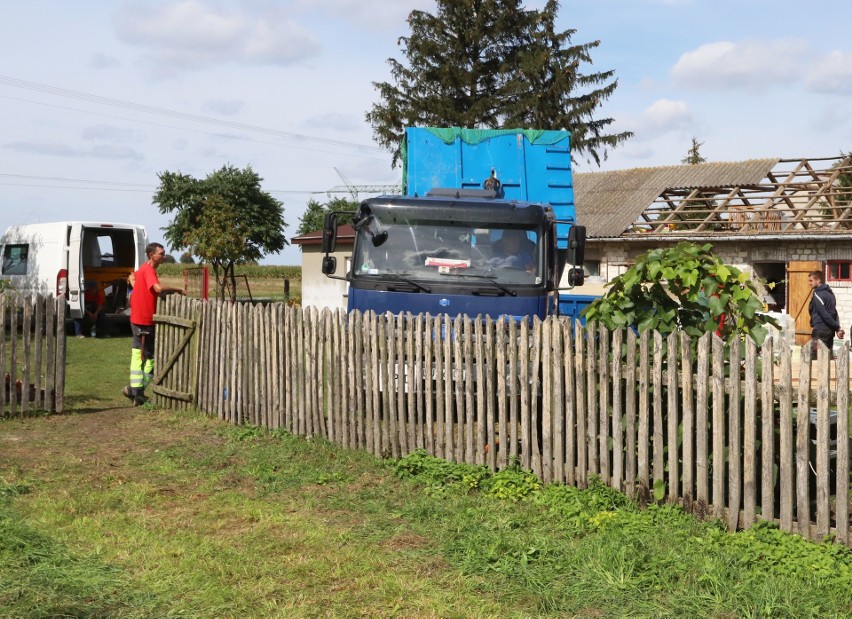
60	257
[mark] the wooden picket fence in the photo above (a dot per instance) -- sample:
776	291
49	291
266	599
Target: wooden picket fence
727	431
32	353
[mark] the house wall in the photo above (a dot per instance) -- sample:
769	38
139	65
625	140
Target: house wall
318	290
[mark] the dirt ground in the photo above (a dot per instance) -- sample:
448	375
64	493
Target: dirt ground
96	442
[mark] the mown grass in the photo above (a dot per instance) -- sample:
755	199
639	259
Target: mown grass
148	513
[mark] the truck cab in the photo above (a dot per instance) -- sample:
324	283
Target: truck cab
443	255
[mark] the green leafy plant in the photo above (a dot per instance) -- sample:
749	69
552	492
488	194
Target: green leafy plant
683	287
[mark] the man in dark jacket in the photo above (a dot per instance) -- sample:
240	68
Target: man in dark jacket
823	309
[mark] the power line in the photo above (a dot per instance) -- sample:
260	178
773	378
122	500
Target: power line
150	109
189	129
110	185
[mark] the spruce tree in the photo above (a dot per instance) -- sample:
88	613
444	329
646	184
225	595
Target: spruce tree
493	64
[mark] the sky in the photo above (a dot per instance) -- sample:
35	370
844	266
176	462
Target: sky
97	98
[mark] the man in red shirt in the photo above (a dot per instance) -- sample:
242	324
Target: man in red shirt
143	306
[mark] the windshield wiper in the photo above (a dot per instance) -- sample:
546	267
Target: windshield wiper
402	278
491	279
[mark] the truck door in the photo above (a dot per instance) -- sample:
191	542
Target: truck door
74	267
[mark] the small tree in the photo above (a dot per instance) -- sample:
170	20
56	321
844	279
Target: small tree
683	287
224	219
186	258
169	259
313	217
694	154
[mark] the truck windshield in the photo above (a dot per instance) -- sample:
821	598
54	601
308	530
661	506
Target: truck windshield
439	253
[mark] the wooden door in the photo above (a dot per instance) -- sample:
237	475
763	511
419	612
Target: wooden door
799	296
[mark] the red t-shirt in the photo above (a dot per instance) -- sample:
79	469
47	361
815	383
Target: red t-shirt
143	301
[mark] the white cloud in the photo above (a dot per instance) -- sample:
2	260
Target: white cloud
832	74
372	15
192	35
661	117
108	132
753	65
103	61
224	107
334	121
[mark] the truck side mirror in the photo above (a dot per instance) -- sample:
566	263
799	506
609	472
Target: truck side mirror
577	244
329	265
329	235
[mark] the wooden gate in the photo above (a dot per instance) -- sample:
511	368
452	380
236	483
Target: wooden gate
799	292
175	381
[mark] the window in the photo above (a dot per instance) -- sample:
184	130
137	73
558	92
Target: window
15	259
592	268
840	270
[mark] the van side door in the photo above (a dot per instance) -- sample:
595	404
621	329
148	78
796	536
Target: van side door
74	265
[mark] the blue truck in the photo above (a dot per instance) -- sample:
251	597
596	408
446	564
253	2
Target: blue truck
486	226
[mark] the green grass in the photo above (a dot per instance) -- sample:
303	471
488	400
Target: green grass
147	513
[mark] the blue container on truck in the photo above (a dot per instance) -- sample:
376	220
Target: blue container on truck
486	227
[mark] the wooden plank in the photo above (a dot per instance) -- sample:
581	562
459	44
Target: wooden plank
718	390
373	420
688	420
592	381
603	415
390	392
734	435
803	514
787	462
433	330
643	439
38	351
413	429
480	404
440	386
363	381
390	446
767	424
659	473
4	390
449	368
570	402
546	402
421	370
842	461
750	439
514	391
469	404
702	414
490	389
27	353
672	417
616	481
630	415
580	390
502	399
524	389
823	440
13	354
534	381
557	359
458	391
